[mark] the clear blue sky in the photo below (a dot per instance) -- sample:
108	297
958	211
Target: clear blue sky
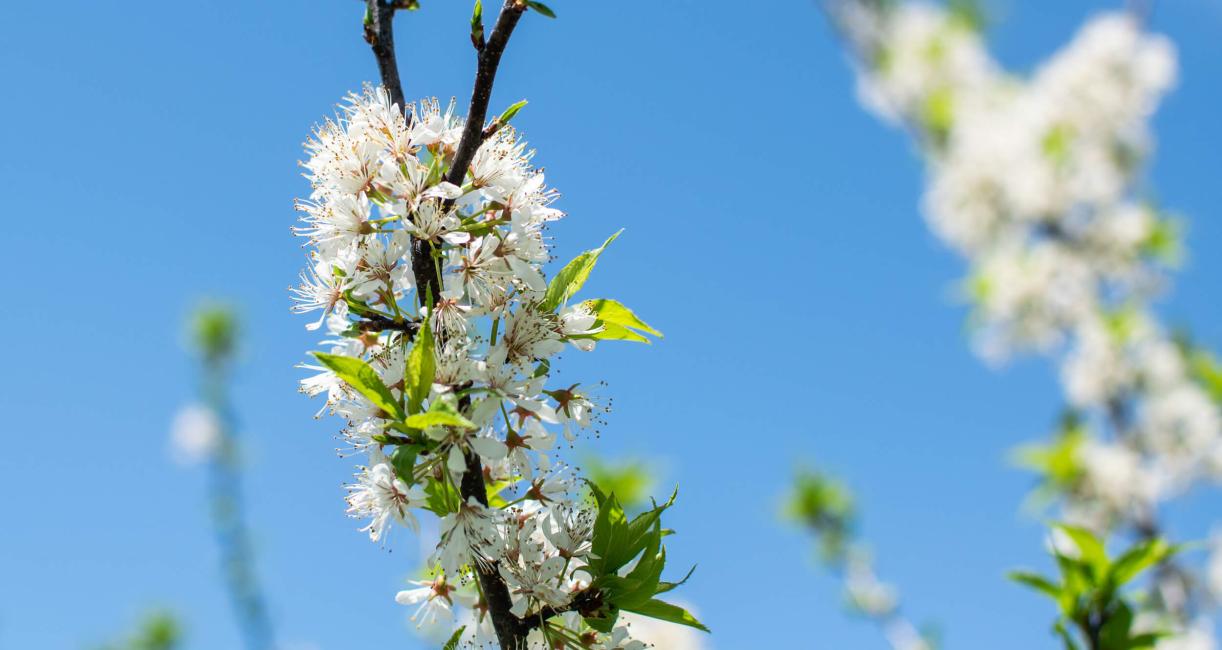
148	158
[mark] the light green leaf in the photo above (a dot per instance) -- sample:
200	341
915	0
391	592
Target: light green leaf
1138	559
1037	582
1090	547
442	413
613	332
511	112
571	278
665	611
477	24
439	419
357	374
421	368
618	321
440	497
455	638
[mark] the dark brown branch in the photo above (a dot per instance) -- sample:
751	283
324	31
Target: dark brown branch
585	602
510	631
380	34
485	74
377	323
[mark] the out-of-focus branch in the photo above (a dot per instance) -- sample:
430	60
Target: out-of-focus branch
216	335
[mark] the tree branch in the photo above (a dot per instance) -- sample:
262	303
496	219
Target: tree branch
485	74
380	34
510	631
586	601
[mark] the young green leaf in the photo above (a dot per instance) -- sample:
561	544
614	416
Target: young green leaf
619	323
1138	559
455	638
511	112
357	374
441	413
1037	582
1090	547
664	586
403	458
610	533
665	611
613	332
477	25
440	497
541	8
571	278
421	368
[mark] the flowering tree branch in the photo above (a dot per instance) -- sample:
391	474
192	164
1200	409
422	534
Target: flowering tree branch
380	34
451	406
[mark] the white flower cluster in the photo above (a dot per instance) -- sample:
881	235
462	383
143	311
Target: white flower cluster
380	211
1033	180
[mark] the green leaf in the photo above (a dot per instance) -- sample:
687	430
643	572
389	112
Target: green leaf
477	25
647	573
455	638
511	112
441	413
664	586
421	368
599	495
611	311
1059	628
571	278
541	8
1115	630
357	374
665	611
1207	371
639	529
618	321
403	459
605	621
1145	641
1090	547
621	540
440	497
1037	582
613	332
1138	559
610	532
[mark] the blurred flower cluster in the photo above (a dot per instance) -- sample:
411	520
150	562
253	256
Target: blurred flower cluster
1036	181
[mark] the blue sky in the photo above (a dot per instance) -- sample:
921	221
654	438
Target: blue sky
148	160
